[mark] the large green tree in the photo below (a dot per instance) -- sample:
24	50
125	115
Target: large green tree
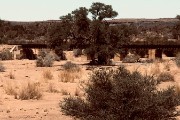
101	11
99	39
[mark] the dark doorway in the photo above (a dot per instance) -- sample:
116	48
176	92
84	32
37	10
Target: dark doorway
170	53
158	53
28	54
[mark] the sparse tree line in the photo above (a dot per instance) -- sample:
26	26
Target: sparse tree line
21	31
99	39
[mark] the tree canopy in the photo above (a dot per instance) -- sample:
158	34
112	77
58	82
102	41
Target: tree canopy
96	36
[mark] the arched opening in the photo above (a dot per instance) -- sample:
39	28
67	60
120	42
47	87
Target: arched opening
28	54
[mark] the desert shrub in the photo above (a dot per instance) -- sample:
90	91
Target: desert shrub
44	59
2	68
131	58
59	52
167	66
56	57
69	66
52	89
122	95
155	68
77	52
67	76
177	60
64	92
42	53
177	88
11	75
31	91
6	55
164	77
39	62
48	60
70	73
47	75
10	89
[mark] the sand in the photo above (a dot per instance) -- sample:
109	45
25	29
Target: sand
47	108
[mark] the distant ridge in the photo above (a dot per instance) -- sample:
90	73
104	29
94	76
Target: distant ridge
135	20
121	20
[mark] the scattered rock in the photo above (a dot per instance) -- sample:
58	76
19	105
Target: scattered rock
45	110
8	111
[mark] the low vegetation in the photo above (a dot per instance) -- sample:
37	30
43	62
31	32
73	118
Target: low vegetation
66	76
10	89
69	66
70	72
6	55
64	92
11	75
31	91
177	60
47	75
2	68
77	52
45	59
165	77
131	59
155	68
52	89
119	95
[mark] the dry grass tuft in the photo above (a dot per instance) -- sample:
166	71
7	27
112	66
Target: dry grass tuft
71	67
10	89
77	92
11	75
167	66
165	77
47	75
64	92
30	91
51	88
66	76
155	68
2	68
177	89
70	73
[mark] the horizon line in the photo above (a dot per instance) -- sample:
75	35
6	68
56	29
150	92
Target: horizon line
51	20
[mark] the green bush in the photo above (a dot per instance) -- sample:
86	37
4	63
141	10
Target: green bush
2	68
164	77
6	55
122	95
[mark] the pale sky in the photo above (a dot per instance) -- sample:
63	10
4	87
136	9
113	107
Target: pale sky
38	10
